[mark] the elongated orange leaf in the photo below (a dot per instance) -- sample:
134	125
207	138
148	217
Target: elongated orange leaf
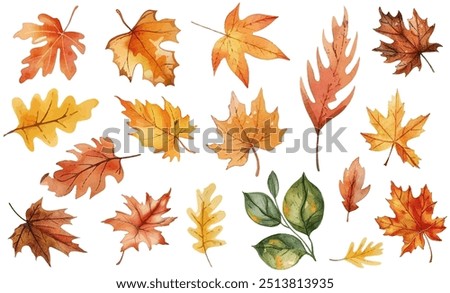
359	256
332	79
351	186
90	170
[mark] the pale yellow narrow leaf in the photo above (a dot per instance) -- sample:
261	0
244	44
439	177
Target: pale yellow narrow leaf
204	218
358	257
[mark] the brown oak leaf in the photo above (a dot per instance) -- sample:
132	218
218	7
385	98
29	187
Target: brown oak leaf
42	230
141	224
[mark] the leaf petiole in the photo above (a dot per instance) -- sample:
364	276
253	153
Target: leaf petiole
71	16
16	213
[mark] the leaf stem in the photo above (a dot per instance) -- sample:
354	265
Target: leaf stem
128	157
390	152
257	162
312	248
317	150
71	16
207	257
429	245
121	257
184	146
16	212
332	259
123	20
205	27
348	216
429	64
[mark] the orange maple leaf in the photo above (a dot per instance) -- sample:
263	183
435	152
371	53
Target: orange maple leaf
391	133
141	45
413	219
141	224
409	44
42	230
244	133
332	79
239	39
351	186
89	171
56	40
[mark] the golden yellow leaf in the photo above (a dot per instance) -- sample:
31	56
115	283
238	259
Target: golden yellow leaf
44	117
161	129
358	257
204	218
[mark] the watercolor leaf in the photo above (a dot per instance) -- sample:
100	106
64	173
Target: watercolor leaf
408	45
44	117
261	209
90	170
57	41
243	133
42	230
142	45
413	219
351	186
272	183
141	224
359	256
390	132
332	79
239	39
204	218
161	129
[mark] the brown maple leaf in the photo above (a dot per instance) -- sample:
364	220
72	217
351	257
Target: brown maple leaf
94	164
56	40
42	230
243	133
332	79
141	45
413	219
141	224
408	44
351	187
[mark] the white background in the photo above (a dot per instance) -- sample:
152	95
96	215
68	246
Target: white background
198	93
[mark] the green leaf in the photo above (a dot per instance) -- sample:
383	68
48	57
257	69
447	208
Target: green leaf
272	182
303	206
261	209
280	251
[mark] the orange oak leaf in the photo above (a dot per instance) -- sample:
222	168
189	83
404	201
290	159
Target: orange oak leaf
141	224
142	45
42	230
351	186
239	39
90	170
413	219
391	133
408	44
57	41
161	129
243	133
332	79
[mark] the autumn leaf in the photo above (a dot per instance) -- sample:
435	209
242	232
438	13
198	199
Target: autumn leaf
142	45
57	42
408	44
244	133
90	170
161	129
141	224
332	79
42	230
44	117
359	256
413	219
390	132
351	186
204	218
239	39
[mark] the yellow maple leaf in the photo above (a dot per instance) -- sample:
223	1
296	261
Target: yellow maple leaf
390	132
161	129
204	218
44	117
358	257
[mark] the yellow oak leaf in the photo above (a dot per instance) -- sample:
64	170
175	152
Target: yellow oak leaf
359	256
44	116
204	218
390	132
161	129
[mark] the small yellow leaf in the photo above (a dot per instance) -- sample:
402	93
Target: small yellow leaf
204	218
358	257
44	117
